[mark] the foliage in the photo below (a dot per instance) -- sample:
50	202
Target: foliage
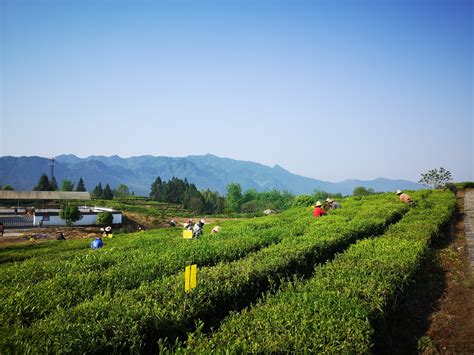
362	191
43	184
337	309
105	218
108	193
451	187
53	184
98	192
80	185
234	197
67	185
70	214
7	188
182	192
249	195
134	294
303	201
435	178
121	191
275	199
253	206
213	202
319	195
465	185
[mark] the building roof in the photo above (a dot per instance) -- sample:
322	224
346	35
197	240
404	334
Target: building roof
44	195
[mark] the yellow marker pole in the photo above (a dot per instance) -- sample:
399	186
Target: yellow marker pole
190	277
187	234
190	274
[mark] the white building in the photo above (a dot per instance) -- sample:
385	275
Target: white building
21	216
50	217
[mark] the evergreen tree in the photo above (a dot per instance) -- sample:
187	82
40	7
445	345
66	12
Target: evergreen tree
53	185
108	193
43	184
81	186
67	185
156	192
98	192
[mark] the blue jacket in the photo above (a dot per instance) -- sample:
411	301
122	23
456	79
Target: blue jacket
97	243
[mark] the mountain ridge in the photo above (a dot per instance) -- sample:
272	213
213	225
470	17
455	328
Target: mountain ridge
205	171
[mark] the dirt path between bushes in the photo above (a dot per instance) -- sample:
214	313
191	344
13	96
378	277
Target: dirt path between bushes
452	325
436	315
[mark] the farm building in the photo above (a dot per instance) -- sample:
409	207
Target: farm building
41	208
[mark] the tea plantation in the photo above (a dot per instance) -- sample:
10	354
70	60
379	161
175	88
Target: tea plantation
287	282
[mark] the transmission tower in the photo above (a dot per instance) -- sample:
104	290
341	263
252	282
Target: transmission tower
52	163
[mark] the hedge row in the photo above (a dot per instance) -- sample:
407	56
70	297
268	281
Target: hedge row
128	262
135	320
335	310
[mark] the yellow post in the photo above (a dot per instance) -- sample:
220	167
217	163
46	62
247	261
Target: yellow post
187	234
190	277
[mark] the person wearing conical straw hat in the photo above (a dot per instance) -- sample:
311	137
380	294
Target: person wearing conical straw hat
318	210
404	197
333	205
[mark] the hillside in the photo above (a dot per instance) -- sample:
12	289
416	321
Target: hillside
205	171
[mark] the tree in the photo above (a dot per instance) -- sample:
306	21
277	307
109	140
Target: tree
252	206
213	202
43	184
319	195
108	193
105	218
234	197
121	191
435	178
53	184
7	188
80	185
156	192
362	191
67	185
70	214
250	195
196	204
303	201
98	192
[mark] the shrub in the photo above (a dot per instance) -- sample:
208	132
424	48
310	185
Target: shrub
105	218
70	214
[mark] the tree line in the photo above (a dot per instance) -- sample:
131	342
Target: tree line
186	194
236	200
47	184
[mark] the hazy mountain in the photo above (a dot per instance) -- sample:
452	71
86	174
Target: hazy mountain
206	171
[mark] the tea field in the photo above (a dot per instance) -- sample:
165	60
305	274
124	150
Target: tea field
286	282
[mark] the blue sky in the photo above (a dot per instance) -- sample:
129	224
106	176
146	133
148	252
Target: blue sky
326	89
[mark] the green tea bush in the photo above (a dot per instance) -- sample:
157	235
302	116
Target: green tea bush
335	311
134	319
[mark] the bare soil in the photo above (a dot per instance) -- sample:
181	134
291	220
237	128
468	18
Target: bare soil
132	222
451	329
436	316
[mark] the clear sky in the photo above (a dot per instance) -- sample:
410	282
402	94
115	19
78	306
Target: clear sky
326	89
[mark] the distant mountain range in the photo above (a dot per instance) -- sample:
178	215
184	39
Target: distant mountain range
205	171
